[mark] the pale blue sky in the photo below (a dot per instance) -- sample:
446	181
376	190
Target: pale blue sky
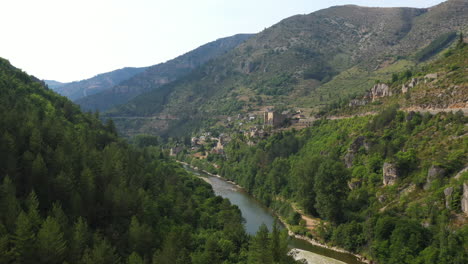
69	40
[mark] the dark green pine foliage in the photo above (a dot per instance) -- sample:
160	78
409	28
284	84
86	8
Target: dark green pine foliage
71	191
51	244
260	247
269	248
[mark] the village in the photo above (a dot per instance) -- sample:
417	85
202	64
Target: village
252	126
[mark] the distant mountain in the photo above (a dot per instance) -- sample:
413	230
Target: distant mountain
160	74
99	83
305	61
53	84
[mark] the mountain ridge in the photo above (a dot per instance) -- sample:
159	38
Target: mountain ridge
160	74
98	83
298	62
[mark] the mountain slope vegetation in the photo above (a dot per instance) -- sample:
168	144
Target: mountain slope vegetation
71	191
392	186
160	74
305	61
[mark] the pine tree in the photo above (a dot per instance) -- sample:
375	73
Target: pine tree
24	240
275	242
102	253
110	127
8	155
32	204
79	239
5	252
9	205
50	242
39	178
134	258
260	247
60	216
35	141
140	237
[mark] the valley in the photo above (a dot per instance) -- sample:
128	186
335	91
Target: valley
338	136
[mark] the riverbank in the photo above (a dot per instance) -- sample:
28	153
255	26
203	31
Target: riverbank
307	240
311	257
209	173
317	243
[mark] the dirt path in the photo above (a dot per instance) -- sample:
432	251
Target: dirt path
311	223
432	111
435	110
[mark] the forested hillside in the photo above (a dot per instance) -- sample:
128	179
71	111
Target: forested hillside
72	192
391	186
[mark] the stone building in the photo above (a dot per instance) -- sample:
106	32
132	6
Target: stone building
273	118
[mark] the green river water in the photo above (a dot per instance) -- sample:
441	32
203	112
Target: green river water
255	214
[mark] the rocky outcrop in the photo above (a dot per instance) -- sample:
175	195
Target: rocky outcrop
354	183
390	174
411	84
459	174
435	172
357	102
353	150
448	192
431	76
380	90
464	199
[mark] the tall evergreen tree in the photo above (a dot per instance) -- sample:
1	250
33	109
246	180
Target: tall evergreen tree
260	247
79	239
50	242
5	253
102	253
134	258
32	205
9	205
24	240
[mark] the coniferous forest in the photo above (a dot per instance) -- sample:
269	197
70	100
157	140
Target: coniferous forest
72	192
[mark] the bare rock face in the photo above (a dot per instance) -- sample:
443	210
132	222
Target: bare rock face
404	89
464	199
411	84
448	196
431	76
390	174
380	90
353	150
459	174
435	172
357	102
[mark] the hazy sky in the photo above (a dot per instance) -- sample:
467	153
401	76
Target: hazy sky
69	40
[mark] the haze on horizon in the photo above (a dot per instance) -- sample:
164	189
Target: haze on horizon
73	40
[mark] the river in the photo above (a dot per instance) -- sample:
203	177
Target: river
255	214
